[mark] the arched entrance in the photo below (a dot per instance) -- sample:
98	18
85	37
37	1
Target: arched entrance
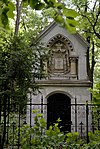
59	106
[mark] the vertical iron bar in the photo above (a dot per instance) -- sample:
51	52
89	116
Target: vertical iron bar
98	111
75	114
8	121
42	104
98	124
87	110
30	115
93	128
41	113
5	118
13	133
0	117
19	129
81	129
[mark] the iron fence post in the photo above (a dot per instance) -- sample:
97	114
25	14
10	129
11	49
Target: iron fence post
75	114
13	125
87	112
30	114
19	127
81	134
98	111
42	104
92	127
41	113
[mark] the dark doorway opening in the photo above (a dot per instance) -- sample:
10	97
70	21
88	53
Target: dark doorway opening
59	106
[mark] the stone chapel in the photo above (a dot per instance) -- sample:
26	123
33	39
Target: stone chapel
66	81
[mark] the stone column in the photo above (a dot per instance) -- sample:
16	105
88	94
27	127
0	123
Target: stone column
73	70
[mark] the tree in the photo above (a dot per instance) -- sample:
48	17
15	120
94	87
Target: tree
32	22
61	13
20	61
89	27
20	64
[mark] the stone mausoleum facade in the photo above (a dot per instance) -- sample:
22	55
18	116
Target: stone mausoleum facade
66	82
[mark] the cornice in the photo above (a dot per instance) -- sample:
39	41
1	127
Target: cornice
65	83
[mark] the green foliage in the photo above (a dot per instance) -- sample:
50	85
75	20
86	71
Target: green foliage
20	62
96	100
32	22
94	141
96	94
62	14
6	11
40	137
12	128
73	141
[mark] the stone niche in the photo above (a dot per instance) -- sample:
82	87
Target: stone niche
62	63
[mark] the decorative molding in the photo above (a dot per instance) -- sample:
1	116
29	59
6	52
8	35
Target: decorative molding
61	48
72	83
73	59
61	38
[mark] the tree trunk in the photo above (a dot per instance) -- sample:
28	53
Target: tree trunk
18	9
92	64
88	63
90	70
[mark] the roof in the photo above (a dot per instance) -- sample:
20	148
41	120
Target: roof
52	25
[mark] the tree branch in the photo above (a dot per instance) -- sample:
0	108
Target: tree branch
94	5
97	16
96	20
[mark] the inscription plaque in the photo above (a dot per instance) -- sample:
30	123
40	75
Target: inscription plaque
58	63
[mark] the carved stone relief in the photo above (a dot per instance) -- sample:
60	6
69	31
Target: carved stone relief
60	63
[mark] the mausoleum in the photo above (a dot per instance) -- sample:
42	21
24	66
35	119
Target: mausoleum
66	83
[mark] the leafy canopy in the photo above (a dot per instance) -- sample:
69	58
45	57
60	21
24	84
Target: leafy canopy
61	13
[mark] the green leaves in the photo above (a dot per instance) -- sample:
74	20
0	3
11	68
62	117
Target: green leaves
62	14
11	8
50	3
39	6
19	57
70	23
70	13
36	4
59	19
6	12
33	3
4	19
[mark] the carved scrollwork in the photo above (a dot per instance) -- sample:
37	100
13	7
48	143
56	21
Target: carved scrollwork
59	62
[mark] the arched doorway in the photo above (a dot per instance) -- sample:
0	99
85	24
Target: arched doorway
59	106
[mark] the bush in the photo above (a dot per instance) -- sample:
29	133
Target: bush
38	137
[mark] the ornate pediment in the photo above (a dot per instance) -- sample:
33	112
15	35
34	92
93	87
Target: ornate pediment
59	60
60	38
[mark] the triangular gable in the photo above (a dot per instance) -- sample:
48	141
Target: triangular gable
52	25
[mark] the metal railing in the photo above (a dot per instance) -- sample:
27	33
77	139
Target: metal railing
12	119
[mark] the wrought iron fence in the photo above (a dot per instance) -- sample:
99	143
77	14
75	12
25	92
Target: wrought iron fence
11	121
